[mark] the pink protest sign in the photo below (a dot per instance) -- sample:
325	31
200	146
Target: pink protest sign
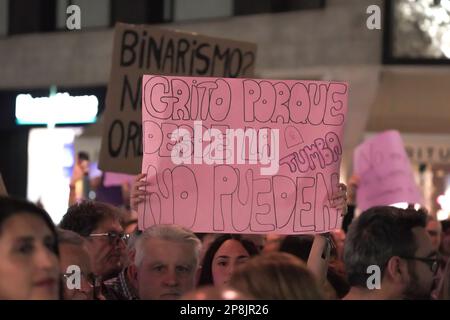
385	172
242	155
117	179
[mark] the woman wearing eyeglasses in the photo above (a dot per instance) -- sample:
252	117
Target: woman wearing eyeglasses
29	267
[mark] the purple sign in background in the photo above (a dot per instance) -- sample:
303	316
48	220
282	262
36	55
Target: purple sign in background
386	176
117	179
242	155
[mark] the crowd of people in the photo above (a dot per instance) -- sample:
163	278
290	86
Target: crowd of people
95	252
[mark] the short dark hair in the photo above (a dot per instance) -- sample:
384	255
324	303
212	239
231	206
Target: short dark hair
299	246
82	155
206	277
10	206
85	216
375	236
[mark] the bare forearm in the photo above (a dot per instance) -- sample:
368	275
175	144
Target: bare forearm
319	257
72	195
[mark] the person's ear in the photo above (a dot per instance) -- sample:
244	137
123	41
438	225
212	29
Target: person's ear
397	270
133	272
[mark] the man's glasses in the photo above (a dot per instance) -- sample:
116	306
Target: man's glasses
433	263
114	237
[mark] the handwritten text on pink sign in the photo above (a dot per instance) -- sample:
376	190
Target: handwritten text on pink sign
242	155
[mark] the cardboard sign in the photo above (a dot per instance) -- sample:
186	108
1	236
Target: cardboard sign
140	49
242	155
385	172
3	191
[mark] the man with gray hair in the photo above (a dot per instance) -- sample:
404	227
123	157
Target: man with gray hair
166	262
388	255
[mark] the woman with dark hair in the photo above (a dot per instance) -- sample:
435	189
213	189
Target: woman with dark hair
222	257
29	268
276	276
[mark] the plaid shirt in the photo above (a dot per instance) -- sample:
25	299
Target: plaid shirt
119	288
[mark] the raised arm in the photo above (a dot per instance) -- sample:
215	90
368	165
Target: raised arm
319	255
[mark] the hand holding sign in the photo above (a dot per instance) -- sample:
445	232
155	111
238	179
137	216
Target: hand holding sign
138	192
353	184
339	199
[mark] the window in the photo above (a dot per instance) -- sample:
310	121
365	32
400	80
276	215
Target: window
94	13
138	11
31	16
244	7
200	9
417	32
